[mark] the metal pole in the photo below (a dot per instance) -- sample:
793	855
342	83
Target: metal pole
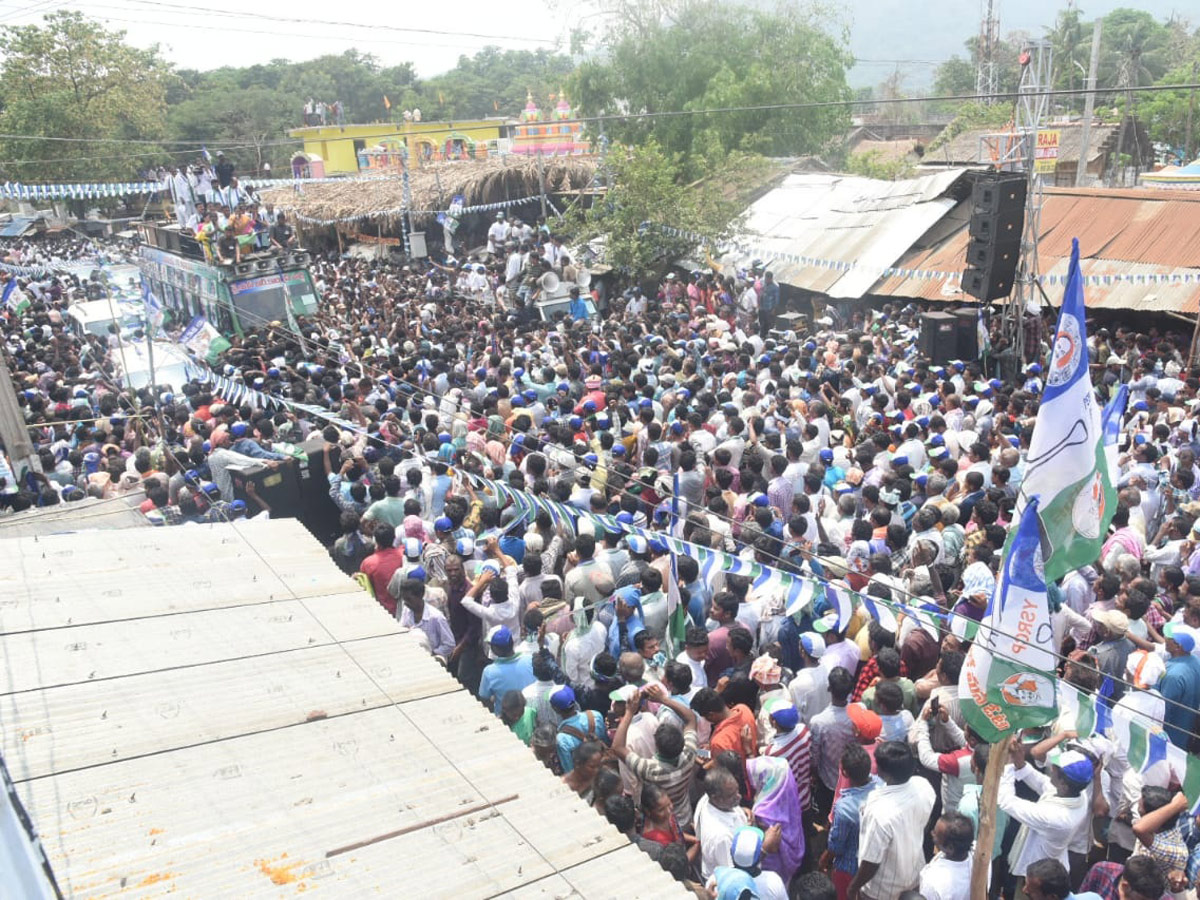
1089	106
1187	135
542	182
407	201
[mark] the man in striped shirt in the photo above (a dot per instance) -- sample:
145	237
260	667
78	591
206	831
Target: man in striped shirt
792	741
674	757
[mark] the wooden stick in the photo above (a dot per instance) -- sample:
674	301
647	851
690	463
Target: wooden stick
986	836
418	826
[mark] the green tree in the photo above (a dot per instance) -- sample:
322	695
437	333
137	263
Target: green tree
71	77
646	193
701	54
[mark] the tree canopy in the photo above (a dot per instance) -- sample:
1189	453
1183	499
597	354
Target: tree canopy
72	78
705	55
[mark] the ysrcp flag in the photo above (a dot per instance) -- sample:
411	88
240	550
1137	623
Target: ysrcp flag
1008	681
1066	470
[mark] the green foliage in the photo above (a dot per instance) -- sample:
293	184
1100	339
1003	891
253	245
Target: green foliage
873	164
970	116
708	55
1165	112
72	78
647	192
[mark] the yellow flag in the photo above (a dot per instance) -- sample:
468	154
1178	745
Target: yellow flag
387	104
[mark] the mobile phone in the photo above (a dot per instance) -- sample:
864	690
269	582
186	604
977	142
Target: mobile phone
935	707
703	754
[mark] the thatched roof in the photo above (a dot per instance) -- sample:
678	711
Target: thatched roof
491	180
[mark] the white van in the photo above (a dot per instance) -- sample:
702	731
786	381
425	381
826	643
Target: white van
94	317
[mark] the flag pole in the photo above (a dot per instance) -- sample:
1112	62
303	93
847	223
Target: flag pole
985	837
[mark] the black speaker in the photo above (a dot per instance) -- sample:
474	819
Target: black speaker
997	221
967	333
939	337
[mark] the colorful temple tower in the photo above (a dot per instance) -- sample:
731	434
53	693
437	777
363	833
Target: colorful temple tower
554	135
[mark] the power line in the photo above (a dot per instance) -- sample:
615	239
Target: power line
297	20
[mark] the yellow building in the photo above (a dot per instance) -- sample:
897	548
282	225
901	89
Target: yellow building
349	149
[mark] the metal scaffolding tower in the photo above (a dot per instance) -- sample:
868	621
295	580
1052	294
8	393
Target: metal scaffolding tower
986	83
1016	151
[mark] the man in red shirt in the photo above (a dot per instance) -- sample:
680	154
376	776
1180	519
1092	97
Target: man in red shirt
381	565
728	722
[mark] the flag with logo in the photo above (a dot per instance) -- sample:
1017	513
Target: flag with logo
1008	680
1066	468
1110	425
14	298
152	308
981	333
677	620
203	340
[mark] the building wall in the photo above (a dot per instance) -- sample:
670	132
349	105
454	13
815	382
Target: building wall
336	144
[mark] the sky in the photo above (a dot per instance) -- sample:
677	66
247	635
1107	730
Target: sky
885	35
198	36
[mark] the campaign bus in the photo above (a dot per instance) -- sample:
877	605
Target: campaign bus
264	287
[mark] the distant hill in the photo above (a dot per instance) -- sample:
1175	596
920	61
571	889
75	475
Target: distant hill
934	30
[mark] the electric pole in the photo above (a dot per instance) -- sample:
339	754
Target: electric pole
1089	105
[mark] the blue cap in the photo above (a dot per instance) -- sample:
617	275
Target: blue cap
1035	368
273	372
238	506
658	545
1074	765
637	543
576	422
921	479
618	450
826	455
625	518
500	636
563	698
676	428
530	395
518	401
464	546
785	716
444	437
1141	406
759	499
518	373
646	403
564	387
443	523
239	429
412	547
210	489
589	406
899	461
417	572
591	459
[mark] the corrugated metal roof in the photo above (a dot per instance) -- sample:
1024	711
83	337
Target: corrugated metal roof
18	226
844	218
1121	232
218	711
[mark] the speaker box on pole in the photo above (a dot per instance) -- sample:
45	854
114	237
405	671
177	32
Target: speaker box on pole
939	337
997	222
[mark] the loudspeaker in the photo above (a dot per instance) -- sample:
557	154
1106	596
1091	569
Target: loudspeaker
967	322
997	221
939	337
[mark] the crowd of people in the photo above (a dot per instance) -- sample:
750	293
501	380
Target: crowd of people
760	753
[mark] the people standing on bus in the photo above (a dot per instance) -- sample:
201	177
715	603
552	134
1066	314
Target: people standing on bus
181	195
204	179
224	170
228	248
282	235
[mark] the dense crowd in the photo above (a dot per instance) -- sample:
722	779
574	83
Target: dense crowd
766	754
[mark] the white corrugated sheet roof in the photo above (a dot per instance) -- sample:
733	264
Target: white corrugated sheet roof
844	218
217	711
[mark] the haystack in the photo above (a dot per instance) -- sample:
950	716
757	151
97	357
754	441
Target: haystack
492	180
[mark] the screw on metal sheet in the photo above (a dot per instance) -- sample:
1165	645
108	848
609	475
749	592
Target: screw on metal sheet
168	710
181	633
78	645
319	869
84	808
228	773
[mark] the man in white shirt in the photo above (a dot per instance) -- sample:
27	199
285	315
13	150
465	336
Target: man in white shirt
716	818
892	830
1049	823
497	235
948	875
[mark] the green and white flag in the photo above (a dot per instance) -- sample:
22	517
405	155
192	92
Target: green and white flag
1067	471
1008	680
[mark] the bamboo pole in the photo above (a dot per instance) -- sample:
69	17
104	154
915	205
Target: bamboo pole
986	837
